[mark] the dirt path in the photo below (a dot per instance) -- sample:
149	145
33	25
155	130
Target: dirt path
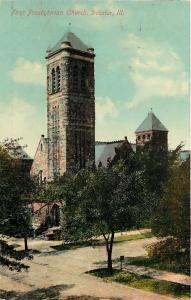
58	275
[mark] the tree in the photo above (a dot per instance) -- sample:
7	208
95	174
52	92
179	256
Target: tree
172	219
153	160
15	190
100	202
156	163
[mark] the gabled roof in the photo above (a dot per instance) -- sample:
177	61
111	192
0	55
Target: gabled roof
106	150
151	122
70	37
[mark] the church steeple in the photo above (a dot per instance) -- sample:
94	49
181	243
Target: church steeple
70	104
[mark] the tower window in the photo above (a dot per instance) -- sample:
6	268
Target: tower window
83	79
75	78
58	79
53	81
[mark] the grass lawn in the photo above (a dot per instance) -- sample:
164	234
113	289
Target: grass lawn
118	239
144	282
156	264
124	238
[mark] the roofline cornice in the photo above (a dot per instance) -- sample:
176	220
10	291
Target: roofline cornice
71	50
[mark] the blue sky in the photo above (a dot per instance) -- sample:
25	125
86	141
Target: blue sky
142	61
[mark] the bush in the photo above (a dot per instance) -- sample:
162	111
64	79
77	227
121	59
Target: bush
169	251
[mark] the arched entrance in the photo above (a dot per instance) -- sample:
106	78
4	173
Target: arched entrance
55	215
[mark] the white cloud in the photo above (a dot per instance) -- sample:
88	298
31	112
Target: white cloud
19	118
26	71
156	71
148	88
105	108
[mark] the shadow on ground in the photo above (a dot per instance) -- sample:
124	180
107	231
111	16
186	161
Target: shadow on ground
75	245
146	262
57	249
127	260
89	298
50	293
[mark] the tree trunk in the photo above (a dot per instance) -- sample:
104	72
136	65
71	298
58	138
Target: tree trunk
109	246
109	261
26	243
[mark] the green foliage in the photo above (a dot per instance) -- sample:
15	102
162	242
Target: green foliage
16	189
49	192
132	237
100	242
101	202
164	255
75	225
157	165
173	212
144	282
153	161
172	217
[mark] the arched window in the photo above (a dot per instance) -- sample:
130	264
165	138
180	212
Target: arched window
58	79
75	78
53	81
83	79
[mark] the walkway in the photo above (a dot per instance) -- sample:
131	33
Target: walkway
61	274
158	274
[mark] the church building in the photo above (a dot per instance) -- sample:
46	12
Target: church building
70	137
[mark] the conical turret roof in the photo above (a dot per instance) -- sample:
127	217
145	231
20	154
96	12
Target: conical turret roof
151	122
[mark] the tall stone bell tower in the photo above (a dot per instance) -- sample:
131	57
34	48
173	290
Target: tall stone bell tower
70	105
